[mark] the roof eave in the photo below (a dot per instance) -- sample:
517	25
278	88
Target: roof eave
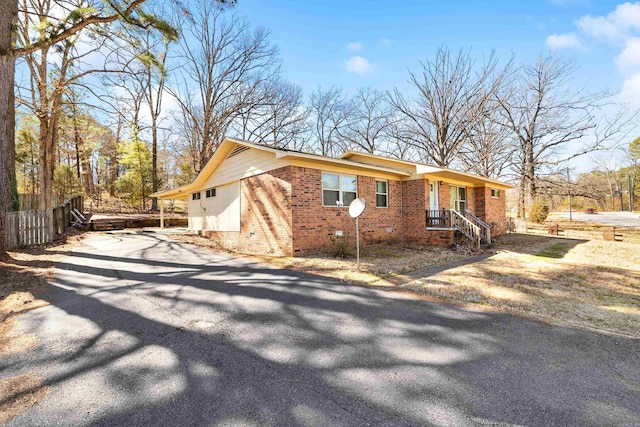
173	193
342	162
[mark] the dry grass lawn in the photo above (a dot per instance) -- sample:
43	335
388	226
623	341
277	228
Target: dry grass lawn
584	284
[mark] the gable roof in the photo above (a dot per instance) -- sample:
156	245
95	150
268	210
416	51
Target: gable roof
402	169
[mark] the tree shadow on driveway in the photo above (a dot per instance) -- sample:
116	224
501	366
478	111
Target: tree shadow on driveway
145	331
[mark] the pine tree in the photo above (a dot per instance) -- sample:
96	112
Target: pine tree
136	181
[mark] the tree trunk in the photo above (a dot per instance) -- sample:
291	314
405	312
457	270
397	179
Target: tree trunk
528	179
154	162
522	197
113	161
85	172
45	118
8	189
47	165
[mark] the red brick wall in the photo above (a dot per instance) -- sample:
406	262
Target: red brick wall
282	214
490	209
265	216
415	201
266	213
495	212
314	225
437	237
443	195
479	202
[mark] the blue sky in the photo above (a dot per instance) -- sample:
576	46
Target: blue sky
317	39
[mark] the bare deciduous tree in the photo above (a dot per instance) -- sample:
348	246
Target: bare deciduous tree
369	118
488	150
553	122
225	63
279	119
449	90
57	56
329	111
151	80
188	145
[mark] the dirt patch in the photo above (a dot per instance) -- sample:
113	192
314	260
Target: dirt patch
376	262
586	284
17	394
12	340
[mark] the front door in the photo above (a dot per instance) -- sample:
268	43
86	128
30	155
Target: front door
433	195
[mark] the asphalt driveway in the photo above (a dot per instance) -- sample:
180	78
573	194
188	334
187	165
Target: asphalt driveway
145	331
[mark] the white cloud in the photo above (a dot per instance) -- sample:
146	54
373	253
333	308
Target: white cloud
615	26
630	92
354	47
628	61
564	41
384	42
619	30
359	65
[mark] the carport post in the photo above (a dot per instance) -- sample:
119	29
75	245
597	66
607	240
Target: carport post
161	213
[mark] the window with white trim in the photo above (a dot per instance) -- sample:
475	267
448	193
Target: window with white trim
211	192
458	198
382	194
335	187
195	196
495	193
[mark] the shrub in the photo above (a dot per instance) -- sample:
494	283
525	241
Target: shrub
538	212
340	247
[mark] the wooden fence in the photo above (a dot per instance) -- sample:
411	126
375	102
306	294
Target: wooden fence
30	202
31	227
27	228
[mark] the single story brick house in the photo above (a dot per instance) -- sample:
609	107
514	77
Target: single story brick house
257	199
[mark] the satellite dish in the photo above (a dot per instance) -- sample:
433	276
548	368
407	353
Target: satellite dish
357	207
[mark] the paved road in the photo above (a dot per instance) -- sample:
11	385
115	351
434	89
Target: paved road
617	219
144	331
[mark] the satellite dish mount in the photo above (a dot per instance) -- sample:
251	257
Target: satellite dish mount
356	208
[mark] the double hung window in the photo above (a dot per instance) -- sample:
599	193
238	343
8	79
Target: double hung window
382	194
337	187
458	198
